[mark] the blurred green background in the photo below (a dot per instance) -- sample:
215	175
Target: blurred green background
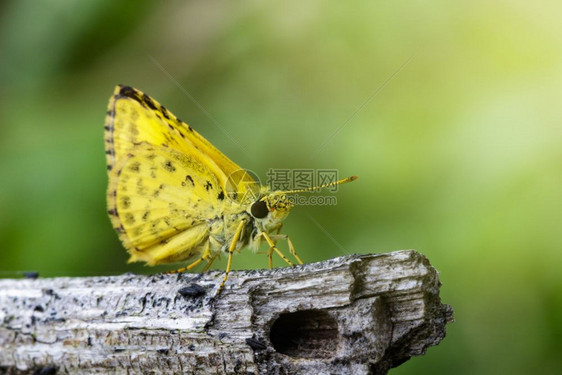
459	153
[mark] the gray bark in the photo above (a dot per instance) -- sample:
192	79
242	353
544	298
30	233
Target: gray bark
358	314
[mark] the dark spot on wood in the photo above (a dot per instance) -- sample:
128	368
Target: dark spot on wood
149	102
194	290
221	195
169	166
47	370
31	275
255	344
208	185
162	351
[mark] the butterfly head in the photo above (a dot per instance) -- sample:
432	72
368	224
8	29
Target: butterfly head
271	209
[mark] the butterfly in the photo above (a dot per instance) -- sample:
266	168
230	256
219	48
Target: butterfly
172	196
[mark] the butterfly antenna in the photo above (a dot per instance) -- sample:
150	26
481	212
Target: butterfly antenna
342	181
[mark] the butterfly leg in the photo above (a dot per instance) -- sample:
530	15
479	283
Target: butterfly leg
209	262
231	250
188	267
273	248
292	250
206	255
291	246
270	251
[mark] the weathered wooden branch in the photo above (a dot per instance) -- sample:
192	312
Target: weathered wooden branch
359	314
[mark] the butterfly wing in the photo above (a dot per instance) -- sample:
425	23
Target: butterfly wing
160	202
134	117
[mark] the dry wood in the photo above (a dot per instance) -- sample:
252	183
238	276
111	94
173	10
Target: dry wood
359	314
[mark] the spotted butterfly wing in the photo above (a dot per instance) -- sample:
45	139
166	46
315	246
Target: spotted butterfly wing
166	180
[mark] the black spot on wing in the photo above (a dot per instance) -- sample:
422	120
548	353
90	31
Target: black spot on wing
221	195
208	185
129	218
125	202
129	92
169	166
149	102
135	167
188	178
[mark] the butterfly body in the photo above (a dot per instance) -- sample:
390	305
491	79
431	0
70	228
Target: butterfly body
172	196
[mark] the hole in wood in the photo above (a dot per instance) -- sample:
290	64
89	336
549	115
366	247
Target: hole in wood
305	334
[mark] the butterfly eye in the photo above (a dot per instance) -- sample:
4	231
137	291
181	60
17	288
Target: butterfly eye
259	209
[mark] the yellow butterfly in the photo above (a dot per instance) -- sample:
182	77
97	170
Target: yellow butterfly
173	196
